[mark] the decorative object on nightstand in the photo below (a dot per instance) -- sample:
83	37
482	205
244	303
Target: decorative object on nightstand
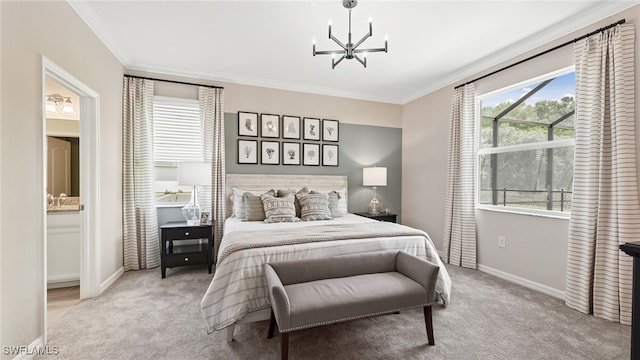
374	176
193	174
181	244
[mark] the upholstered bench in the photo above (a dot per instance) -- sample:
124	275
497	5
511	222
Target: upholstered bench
310	293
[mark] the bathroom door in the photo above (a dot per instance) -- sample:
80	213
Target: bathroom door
58	166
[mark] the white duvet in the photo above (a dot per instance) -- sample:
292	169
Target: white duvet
238	286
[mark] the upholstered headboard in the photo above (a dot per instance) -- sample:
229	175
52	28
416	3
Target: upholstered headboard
264	182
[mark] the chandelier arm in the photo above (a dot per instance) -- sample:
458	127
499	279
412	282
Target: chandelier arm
363	62
330	52
361	40
359	51
334	63
338	42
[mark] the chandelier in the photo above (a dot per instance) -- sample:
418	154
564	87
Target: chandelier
350	50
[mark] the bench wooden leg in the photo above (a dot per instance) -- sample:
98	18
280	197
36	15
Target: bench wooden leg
272	325
230	329
284	346
429	323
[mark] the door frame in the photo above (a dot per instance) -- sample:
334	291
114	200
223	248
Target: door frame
89	182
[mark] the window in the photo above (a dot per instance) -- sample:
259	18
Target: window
177	136
526	145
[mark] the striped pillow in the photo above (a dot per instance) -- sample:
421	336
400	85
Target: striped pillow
279	209
314	206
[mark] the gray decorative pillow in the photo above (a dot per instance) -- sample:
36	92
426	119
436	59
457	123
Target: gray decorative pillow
279	209
253	207
293	192
314	206
334	198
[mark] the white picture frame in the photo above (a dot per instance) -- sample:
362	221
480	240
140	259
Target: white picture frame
290	153
330	155
270	125
330	130
311	129
290	127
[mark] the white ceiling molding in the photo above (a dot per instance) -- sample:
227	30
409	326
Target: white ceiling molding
86	13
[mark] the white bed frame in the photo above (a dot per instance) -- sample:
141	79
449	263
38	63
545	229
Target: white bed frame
263	182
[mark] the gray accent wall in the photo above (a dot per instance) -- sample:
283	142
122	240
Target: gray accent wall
359	146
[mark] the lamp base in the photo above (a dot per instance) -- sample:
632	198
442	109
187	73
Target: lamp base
191	211
374	204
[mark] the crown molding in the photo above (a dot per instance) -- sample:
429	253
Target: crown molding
93	21
262	82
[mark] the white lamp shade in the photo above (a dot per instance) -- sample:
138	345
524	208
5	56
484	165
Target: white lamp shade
374	176
194	173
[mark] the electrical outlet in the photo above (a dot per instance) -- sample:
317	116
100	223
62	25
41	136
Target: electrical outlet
502	242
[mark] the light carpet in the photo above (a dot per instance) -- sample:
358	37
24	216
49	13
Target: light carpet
145	317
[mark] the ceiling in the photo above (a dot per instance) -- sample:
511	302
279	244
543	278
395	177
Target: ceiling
269	43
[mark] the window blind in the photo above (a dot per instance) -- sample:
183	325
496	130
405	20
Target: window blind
177	130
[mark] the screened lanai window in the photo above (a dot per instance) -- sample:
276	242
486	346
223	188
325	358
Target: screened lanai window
526	145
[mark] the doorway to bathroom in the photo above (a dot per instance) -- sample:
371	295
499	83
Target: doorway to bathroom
70	191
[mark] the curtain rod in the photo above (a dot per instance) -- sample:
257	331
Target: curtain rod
174	81
620	22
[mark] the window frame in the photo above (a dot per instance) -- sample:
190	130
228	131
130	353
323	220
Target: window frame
542	145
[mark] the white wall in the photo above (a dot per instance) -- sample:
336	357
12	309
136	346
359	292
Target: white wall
28	31
536	247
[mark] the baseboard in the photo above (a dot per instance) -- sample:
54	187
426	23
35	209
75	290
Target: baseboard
62	284
28	352
522	281
107	283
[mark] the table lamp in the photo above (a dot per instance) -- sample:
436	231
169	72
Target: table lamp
374	176
193	174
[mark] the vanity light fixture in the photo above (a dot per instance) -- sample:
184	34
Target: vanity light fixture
56	103
350	50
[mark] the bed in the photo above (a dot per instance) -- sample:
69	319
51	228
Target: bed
238	293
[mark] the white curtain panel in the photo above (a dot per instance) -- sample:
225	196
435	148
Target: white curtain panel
140	224
605	211
212	113
460	220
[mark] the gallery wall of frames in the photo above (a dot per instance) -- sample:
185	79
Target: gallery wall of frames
271	139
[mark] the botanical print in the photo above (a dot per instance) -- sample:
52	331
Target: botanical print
291	153
270	125
311	129
247	152
311	154
270	152
330	155
330	130
247	123
290	127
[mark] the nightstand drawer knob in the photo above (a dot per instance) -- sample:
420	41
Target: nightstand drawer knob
186	233
186	259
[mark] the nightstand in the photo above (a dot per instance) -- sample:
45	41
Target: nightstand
380	217
181	244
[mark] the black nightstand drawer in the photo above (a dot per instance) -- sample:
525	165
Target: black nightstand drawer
188	233
190	258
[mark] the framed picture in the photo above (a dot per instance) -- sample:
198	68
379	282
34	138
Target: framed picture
270	125
270	153
330	155
311	129
247	123
291	127
247	151
311	154
290	153
330	130
204	218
